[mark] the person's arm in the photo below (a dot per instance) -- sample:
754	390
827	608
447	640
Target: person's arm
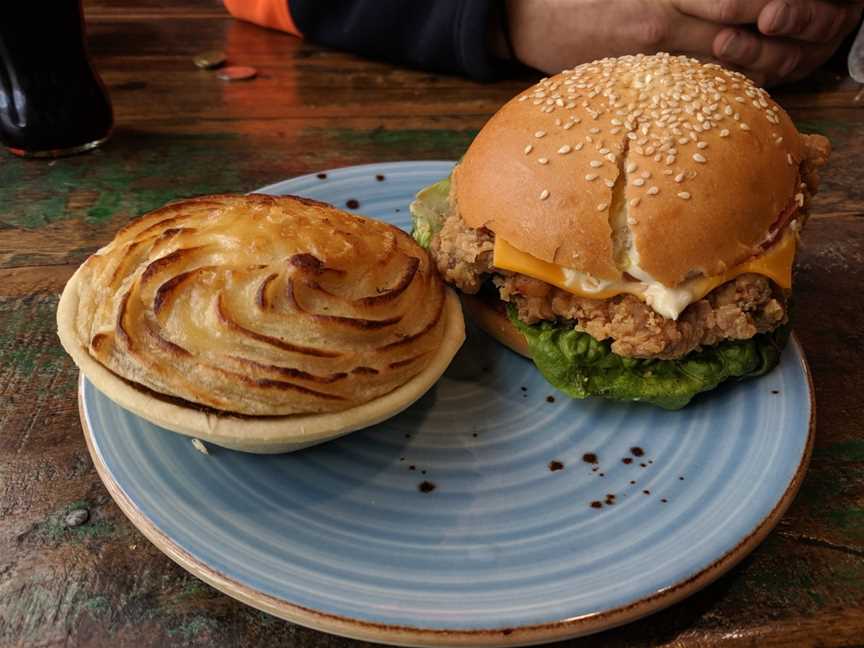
456	36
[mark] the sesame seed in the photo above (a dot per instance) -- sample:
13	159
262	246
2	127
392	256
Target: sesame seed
544	194
609	183
699	158
701	145
528	149
743	126
559	102
523	97
578	146
778	141
591	177
611	157
724	132
557	121
789	159
543	160
602	206
635	202
631	167
684	194
646	174
595	164
568	125
564	150
639	182
540	134
603	151
653	191
679	177
594	130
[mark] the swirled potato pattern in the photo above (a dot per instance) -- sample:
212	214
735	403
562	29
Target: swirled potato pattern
261	305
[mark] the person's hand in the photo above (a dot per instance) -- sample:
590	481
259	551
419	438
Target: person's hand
793	38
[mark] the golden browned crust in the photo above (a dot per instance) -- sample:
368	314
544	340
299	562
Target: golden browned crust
260	305
686	165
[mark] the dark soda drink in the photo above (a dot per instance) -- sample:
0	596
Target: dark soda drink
52	101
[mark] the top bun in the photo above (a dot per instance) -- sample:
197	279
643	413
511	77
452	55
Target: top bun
260	306
678	165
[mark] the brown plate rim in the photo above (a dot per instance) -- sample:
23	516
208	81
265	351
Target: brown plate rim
411	636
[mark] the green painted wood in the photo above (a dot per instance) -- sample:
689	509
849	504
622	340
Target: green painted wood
180	132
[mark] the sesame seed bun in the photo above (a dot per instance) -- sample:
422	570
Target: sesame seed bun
684	165
488	312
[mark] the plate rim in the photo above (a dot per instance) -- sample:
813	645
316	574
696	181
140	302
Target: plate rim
402	635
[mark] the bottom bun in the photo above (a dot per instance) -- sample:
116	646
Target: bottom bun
489	313
258	434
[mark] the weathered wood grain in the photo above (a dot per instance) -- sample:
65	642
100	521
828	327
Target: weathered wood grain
181	131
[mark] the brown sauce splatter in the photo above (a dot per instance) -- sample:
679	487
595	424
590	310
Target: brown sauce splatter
550	399
643	465
681	478
379	178
412	467
322	176
647	492
589	457
664	500
627	460
426	487
637	451
601	474
596	504
352	203
775	391
555	465
632	481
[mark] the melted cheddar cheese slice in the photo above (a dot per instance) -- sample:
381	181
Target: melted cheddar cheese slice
775	263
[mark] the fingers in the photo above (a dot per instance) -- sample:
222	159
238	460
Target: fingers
769	57
724	12
813	21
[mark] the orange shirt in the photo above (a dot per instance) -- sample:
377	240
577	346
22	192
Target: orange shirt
267	13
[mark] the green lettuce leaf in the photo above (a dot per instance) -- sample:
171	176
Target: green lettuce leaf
580	366
428	210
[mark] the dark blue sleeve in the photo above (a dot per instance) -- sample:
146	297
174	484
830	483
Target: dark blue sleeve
439	35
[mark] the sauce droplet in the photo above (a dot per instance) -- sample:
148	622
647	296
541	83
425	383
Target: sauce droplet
627	460
596	504
322	176
351	203
555	465
379	178
589	457
550	399
637	451
426	487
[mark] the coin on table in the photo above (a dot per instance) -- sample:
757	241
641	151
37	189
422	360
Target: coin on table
209	60
237	73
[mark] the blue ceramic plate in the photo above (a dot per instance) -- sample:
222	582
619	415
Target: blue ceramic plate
478	516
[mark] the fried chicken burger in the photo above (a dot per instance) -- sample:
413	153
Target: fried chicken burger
631	225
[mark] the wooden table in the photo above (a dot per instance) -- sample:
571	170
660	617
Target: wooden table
181	131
